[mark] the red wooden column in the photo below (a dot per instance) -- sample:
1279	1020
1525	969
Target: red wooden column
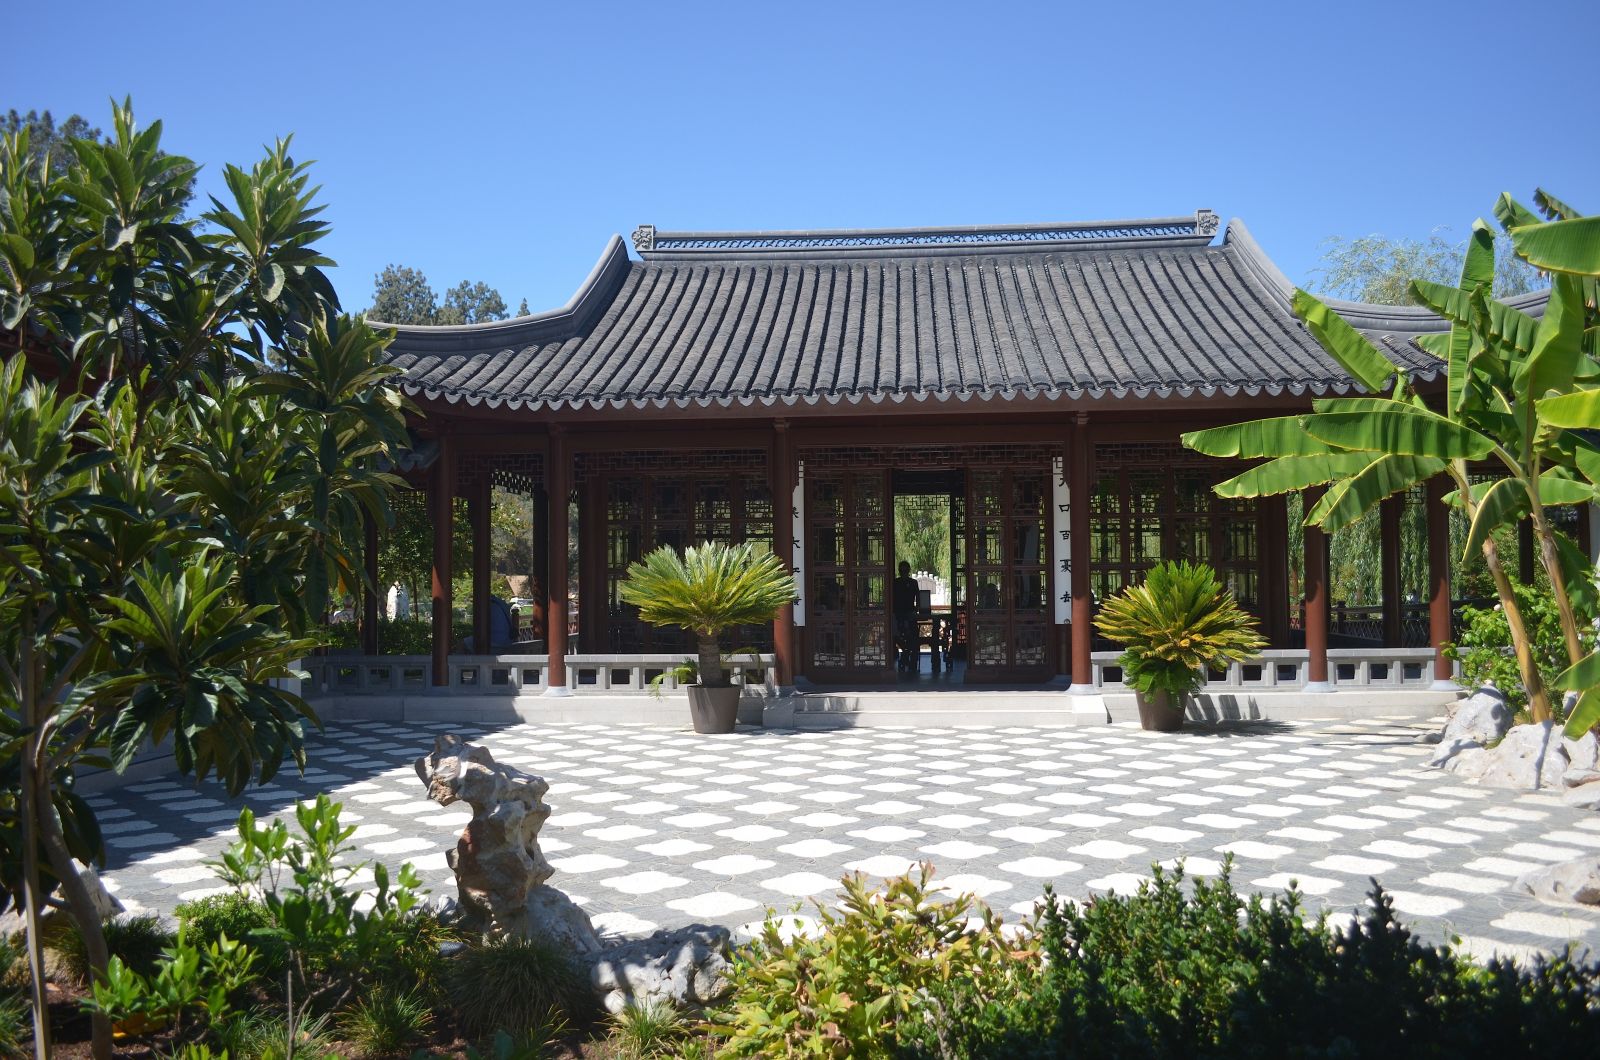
478	512
782	475
370	591
558	476
1390	511
441	499
1079	455
1439	579
1316	598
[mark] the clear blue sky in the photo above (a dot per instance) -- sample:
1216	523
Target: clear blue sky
506	142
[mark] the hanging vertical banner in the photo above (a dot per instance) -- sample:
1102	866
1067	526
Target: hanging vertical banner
797	560
1061	534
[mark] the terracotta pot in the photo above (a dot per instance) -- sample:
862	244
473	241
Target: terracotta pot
714	709
1158	712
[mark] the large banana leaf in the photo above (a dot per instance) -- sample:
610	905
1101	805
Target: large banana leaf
1581	409
1404	430
1557	345
1512	214
1505	501
1585	713
1507	325
1554	209
1351	498
1344	343
1561	246
1289	473
1477	274
1279	436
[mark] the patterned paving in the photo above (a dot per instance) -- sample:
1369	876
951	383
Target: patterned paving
657	827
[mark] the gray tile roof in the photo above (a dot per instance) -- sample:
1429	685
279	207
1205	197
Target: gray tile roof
719	319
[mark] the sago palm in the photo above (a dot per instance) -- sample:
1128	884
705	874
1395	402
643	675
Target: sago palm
709	588
1175	625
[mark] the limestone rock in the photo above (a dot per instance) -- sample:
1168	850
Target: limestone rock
1575	777
1458	756
1482	718
685	967
1584	754
1571	881
1585	797
1530	757
548	913
500	871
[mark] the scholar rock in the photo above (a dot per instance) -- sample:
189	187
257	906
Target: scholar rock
500	871
684	967
1571	881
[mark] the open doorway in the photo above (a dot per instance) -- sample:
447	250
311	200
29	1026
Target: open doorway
930	627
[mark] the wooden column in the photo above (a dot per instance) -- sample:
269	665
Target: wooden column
478	512
1390	511
1439	577
559	477
782	476
1316	599
1079	457
371	590
441	499
539	580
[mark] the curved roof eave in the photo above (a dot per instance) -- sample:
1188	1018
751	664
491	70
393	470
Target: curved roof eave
591	298
1402	320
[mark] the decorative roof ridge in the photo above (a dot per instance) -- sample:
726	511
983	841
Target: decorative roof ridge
1364	316
590	299
661	246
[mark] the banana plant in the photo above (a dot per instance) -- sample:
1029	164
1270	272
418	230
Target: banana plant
1499	363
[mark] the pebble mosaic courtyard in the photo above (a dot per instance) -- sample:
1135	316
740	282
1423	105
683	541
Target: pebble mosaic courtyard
656	827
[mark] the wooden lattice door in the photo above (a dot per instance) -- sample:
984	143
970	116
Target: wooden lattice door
849	527
1009	606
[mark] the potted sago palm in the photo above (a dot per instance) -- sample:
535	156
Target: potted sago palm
710	588
1173	627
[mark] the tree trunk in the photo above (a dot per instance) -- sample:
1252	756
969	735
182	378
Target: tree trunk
30	904
80	903
1538	698
1550	555
710	662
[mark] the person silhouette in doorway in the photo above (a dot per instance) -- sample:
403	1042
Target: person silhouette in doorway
905	621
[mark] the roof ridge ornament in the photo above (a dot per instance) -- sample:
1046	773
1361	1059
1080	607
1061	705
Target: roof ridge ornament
1194	230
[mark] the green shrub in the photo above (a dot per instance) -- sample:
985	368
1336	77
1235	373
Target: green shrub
1178	969
894	971
386	1021
138	940
239	917
267	1035
1485	652
536	1043
645	1030
308	887
514	984
16	1024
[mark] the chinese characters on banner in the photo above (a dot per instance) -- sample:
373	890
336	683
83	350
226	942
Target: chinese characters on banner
1061	533
797	510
